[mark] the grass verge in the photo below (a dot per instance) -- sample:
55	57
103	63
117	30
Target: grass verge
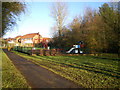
11	77
88	71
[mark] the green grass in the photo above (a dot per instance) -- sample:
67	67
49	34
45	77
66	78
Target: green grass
11	77
88	71
0	68
36	48
108	55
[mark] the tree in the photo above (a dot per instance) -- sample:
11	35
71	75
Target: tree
59	14
100	30
75	33
10	13
110	15
90	30
93	29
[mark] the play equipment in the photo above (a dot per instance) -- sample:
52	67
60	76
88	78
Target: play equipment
77	49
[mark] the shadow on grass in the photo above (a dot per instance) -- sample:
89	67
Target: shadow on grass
97	57
88	68
115	59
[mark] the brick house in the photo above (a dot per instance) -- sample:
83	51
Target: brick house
45	41
30	39
11	42
17	40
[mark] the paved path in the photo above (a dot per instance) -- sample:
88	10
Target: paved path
38	77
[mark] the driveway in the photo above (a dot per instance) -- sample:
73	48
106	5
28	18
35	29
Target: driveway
39	77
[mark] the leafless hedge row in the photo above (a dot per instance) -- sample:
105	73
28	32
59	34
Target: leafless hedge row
45	52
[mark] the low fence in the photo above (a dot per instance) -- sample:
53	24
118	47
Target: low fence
46	52
42	52
27	50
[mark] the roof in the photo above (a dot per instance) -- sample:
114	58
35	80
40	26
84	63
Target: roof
9	39
29	35
17	37
46	38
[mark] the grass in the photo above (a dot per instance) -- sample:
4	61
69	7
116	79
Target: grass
108	55
87	71
0	68
36	48
11	77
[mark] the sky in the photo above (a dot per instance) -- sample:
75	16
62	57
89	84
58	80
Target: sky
38	19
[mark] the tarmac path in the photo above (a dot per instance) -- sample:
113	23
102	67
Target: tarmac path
39	77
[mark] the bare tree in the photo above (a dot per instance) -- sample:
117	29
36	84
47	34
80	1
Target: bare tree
59	13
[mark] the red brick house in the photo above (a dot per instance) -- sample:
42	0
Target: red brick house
17	40
11	42
45	41
30	39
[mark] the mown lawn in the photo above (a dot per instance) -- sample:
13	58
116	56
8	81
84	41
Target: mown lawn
88	71
11	77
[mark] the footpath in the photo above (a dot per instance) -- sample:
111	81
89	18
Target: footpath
39	77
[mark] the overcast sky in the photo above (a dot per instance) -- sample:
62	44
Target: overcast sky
38	19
